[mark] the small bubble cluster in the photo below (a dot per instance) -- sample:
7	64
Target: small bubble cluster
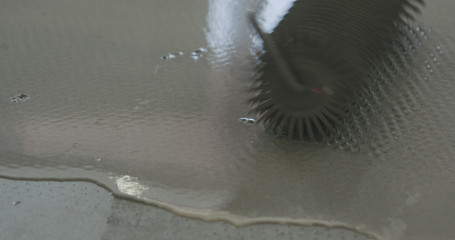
433	59
198	53
171	56
195	55
247	121
20	98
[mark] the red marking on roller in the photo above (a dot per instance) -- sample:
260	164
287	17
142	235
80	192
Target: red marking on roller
318	90
294	99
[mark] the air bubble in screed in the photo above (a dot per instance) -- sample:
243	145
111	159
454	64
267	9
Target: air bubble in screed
20	98
198	53
247	121
171	56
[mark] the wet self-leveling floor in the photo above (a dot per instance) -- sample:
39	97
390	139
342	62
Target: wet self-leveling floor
144	98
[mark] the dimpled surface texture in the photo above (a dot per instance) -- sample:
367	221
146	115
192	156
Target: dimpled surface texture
98	90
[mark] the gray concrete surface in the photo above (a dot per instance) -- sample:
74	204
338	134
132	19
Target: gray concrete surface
85	93
47	210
